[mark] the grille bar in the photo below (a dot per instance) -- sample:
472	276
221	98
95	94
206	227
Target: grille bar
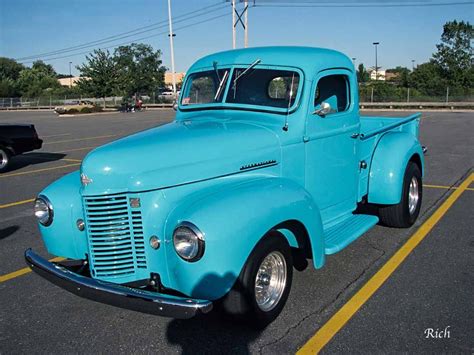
115	235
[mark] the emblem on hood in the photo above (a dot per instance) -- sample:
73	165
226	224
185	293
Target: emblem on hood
85	180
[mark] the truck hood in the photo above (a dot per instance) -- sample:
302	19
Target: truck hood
178	153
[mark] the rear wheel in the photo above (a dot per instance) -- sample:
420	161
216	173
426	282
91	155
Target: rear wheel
405	213
5	157
263	286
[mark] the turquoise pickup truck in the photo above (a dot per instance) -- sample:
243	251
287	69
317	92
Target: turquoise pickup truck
267	165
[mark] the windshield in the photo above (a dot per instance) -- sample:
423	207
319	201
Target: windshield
274	88
205	87
264	87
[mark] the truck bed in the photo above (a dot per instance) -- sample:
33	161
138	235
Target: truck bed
373	126
372	129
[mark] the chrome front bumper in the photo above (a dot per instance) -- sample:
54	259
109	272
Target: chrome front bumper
116	295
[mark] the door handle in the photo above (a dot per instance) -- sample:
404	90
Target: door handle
355	135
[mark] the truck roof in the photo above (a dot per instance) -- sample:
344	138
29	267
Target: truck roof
309	59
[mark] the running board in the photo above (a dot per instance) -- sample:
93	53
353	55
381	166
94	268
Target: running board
340	235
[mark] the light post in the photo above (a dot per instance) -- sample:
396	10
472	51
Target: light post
354	61
70	75
413	65
171	35
376	66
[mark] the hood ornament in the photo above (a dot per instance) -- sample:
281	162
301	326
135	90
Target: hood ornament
85	180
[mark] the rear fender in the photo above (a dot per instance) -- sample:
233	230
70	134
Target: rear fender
390	159
233	221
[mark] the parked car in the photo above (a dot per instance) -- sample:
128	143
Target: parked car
267	165
75	106
15	140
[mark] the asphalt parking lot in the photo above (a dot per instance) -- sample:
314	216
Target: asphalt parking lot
432	287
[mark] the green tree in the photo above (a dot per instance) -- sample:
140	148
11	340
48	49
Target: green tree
98	75
9	73
139	69
35	81
455	54
428	79
401	76
362	74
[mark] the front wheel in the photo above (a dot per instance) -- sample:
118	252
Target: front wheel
263	286
405	213
4	159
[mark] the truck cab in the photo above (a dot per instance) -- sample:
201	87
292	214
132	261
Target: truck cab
267	164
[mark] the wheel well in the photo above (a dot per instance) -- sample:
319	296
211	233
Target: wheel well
300	233
417	160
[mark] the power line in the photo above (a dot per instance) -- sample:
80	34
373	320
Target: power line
136	39
362	5
137	31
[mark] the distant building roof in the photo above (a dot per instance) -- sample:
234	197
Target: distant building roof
169	78
69	81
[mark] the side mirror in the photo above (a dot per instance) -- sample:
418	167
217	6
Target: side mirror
175	105
323	110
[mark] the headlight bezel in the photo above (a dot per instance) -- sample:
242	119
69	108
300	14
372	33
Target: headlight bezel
50	210
199	238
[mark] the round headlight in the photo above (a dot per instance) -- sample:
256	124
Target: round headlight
188	241
44	210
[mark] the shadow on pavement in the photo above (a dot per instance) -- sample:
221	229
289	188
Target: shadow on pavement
24	160
6	232
213	332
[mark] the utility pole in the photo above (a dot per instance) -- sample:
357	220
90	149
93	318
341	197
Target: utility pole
376	66
236	19
70	75
233	25
171	34
246	24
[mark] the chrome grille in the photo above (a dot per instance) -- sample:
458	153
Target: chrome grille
115	232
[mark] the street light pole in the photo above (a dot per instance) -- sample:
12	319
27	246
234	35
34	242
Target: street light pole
171	34
376	65
354	61
233	25
70	75
413	65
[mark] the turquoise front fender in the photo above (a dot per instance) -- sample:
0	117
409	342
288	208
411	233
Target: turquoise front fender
390	159
62	237
233	220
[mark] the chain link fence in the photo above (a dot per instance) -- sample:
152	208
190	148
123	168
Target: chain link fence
50	102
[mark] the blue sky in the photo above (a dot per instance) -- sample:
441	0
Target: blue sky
30	27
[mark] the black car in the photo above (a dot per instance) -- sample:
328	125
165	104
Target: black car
17	139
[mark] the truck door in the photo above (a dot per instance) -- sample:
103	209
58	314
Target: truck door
331	156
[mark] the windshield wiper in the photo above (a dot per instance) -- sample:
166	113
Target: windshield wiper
234	84
221	85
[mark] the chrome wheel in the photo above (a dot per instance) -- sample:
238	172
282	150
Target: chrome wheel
413	195
3	159
270	281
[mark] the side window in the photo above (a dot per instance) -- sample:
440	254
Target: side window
333	89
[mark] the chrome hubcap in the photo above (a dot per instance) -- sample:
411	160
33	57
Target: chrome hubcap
413	195
270	281
3	159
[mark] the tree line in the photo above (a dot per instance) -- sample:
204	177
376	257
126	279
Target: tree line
137	69
449	69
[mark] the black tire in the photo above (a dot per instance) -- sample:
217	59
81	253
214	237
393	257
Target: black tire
5	157
399	215
240	303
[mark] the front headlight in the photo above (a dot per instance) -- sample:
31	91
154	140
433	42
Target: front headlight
188	241
44	210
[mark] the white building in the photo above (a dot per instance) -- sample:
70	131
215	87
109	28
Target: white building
380	74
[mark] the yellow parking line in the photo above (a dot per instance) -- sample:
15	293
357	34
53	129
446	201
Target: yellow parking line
73	160
21	272
75	150
56	135
38	170
17	203
81	139
345	313
446	187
